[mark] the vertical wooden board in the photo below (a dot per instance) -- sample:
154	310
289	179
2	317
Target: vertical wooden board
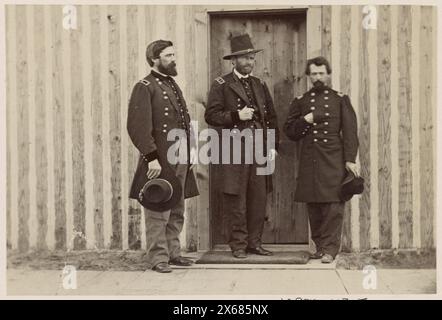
97	124
30	61
374	133
201	88
106	138
189	63
283	94
394	86
78	166
300	86
114	121
49	139
134	213
345	86
415	131
22	129
41	161
326	32
314	31
355	29
11	146
86	65
219	41
170	16
384	120
124	142
404	102
364	139
427	125
263	38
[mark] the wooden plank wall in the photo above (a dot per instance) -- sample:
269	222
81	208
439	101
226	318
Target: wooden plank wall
70	161
383	70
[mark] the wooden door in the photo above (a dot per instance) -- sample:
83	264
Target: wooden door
281	65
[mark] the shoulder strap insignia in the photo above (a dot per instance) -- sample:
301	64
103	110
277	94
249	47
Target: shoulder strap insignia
220	80
340	94
145	82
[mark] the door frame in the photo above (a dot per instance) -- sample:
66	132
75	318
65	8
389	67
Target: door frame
202	24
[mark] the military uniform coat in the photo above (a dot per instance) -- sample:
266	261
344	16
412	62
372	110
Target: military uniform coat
153	111
326	144
226	97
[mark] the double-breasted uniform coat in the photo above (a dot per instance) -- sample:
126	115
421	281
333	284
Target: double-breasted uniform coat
157	106
244	192
327	143
227	96
153	111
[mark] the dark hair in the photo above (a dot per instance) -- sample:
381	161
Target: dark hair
154	49
318	61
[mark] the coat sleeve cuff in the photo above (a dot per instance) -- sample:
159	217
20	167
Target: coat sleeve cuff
150	156
235	117
349	158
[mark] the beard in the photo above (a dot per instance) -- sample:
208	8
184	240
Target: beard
169	70
246	69
318	85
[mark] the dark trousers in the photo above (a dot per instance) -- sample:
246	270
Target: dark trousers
326	225
246	211
164	227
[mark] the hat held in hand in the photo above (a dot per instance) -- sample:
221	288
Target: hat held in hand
162	193
350	186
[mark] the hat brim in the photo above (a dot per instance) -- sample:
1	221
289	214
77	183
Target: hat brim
240	53
177	191
350	186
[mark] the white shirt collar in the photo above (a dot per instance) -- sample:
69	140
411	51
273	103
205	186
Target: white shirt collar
239	75
164	75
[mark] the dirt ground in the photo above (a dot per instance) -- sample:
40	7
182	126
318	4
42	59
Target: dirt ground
135	260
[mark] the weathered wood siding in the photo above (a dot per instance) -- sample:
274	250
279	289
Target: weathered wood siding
70	160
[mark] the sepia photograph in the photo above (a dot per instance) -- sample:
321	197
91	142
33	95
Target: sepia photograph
274	150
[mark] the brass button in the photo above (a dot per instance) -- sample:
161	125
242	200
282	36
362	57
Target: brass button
166	109
314	123
312	108
315	132
325	140
327	114
165	97
326	123
326	106
326	98
160	82
315	140
313	100
166	114
165	125
325	132
312	94
326	91
164	92
164	130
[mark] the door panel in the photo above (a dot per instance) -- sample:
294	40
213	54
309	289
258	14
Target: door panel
281	65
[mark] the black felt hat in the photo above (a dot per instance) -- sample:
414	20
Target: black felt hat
350	186
240	45
162	193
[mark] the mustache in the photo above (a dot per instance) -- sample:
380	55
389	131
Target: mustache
318	83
